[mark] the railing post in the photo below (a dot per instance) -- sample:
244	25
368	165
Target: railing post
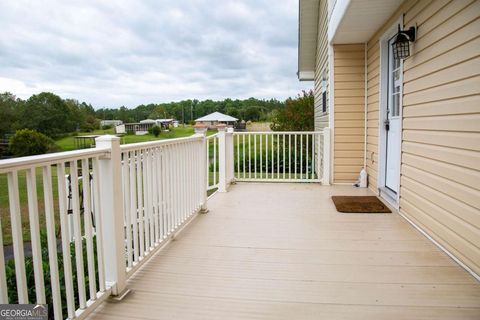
230	155
201	130
222	158
111	208
326	156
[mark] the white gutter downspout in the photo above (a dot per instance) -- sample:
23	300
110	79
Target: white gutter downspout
366	110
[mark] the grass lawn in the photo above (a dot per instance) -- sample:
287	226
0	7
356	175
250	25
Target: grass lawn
68	143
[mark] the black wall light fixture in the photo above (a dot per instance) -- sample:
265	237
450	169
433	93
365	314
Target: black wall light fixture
401	45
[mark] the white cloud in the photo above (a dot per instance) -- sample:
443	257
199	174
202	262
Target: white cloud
113	53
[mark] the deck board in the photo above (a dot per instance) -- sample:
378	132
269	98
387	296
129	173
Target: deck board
281	251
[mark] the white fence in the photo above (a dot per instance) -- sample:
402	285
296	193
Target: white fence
124	203
76	272
278	156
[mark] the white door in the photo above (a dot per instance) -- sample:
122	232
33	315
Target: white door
393	122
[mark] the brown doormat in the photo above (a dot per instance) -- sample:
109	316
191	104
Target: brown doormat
359	204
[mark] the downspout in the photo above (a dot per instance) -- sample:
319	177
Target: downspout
366	110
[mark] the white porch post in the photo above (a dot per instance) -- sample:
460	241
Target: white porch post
201	130
111	206
326	156
222	158
230	157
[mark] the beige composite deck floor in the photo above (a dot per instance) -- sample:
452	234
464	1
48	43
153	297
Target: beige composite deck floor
281	251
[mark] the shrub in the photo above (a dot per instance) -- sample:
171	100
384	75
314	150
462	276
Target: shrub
298	114
106	127
156	130
28	142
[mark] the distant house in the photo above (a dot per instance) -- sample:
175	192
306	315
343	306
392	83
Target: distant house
112	123
164	123
139	128
211	120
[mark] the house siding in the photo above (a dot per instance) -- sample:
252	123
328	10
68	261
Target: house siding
321	73
349	112
440	163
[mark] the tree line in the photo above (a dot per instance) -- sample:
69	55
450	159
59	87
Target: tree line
186	111
53	116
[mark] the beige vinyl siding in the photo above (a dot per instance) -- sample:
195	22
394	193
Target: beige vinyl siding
349	112
440	169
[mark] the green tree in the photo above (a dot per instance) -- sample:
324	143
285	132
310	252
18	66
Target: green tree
28	142
47	113
8	112
298	114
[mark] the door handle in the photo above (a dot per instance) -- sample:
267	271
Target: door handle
387	124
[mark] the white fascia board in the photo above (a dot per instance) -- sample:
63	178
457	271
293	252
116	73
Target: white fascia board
306	75
336	18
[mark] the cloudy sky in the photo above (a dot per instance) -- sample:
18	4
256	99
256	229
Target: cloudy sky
117	52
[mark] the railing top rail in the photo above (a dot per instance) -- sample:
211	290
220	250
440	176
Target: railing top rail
278	132
22	163
212	136
159	143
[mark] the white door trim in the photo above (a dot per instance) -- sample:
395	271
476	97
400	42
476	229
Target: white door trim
390	196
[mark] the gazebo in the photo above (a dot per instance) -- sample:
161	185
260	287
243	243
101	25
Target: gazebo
211	120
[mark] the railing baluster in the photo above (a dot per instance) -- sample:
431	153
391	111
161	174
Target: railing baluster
273	159
289	156
67	263
284	162
278	156
255	155
164	193
249	157
301	156
126	199
215	160
266	156
244	166
77	234
238	157
3	276
98	224
35	235
52	241
261	156
151	211
133	204
87	220
306	158
140	211
155	194
146	206
295	158
17	238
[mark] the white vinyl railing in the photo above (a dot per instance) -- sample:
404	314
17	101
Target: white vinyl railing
75	276
278	156
163	186
93	217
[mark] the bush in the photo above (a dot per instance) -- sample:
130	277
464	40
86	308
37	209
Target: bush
106	127
298	114
156	130
28	142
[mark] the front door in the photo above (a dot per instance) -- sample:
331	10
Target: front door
393	121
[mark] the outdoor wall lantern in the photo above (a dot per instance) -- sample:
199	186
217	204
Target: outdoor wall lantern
401	45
